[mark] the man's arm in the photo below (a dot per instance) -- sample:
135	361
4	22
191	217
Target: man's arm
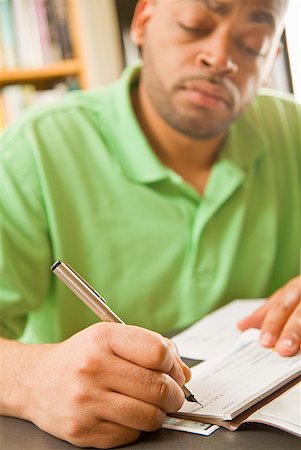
279	319
99	388
17	360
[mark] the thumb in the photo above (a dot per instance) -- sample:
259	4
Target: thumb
254	320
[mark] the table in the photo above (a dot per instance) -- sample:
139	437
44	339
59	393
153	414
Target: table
18	434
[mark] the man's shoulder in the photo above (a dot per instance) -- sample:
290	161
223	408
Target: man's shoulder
277	117
272	95
270	104
71	108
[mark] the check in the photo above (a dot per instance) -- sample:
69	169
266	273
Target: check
248	373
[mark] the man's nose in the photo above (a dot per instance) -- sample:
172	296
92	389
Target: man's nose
215	54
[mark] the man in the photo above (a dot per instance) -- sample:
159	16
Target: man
172	191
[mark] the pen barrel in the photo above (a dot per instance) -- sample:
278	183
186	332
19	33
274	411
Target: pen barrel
86	293
92	299
186	391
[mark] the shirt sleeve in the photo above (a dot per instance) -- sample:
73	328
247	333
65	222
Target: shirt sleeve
24	242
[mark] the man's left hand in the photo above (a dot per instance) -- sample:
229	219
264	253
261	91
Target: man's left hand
279	319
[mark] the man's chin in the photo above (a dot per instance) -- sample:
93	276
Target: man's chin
199	131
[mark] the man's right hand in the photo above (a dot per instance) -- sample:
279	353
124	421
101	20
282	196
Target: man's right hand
104	385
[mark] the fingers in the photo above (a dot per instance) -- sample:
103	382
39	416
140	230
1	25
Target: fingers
184	368
290	339
142	347
103	435
120	422
131	413
147	385
274	322
178	360
283	316
254	320
279	319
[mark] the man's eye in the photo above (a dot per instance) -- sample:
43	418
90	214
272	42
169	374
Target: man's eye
251	51
194	30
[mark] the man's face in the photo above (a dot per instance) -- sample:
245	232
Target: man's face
205	59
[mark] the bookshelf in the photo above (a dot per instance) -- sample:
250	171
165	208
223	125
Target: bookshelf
56	69
36	55
97	56
52	71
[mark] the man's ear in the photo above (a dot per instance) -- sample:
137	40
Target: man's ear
143	12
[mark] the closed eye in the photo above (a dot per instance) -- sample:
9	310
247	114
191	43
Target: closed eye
251	51
194	30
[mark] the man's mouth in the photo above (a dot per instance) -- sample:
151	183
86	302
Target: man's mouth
207	95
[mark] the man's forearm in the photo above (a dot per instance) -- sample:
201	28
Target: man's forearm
16	377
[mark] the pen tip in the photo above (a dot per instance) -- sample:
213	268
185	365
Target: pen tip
191	398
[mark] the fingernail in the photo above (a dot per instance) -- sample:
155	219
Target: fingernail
287	344
266	339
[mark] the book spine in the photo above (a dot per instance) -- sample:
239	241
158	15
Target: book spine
2	60
24	51
56	51
13	103
34	36
15	99
3	120
61	13
43	27
7	35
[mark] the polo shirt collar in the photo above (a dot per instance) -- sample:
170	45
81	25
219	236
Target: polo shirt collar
246	142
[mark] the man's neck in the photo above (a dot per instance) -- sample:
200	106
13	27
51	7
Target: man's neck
190	158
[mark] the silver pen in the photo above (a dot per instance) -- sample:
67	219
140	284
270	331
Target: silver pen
94	301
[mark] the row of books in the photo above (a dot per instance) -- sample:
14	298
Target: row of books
33	33
15	99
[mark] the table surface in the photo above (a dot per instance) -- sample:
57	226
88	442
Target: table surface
16	434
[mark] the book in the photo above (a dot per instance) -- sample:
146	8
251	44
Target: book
34	33
22	34
43	30
2	114
216	332
14	99
34	52
57	12
7	35
237	383
61	17
56	51
280	410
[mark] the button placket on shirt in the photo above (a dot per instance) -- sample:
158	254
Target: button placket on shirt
225	180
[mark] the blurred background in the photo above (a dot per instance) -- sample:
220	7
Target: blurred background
49	47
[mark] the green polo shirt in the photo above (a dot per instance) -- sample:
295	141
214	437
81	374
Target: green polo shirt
80	183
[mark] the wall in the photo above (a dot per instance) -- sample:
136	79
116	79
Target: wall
100	40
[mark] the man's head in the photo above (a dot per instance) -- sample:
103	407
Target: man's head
205	59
